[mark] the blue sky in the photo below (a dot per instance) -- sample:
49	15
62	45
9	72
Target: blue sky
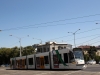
49	20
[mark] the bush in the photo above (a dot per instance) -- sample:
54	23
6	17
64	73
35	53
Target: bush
97	59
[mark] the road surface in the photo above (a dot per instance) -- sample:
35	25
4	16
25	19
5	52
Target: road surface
90	70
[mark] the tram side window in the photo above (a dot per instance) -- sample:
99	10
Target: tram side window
12	62
37	60
65	57
25	61
71	57
20	61
59	60
56	58
46	59
16	62
30	61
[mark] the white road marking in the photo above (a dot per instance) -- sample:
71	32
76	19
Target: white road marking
71	72
45	73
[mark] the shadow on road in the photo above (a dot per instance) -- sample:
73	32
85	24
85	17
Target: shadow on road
47	69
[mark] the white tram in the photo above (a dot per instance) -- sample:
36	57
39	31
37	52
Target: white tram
57	59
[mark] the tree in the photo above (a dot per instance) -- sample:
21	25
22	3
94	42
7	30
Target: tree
92	52
97	58
28	50
4	55
14	52
86	57
7	53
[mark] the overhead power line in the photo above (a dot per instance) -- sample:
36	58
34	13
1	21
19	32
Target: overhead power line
47	25
77	33
85	37
82	37
13	44
95	42
39	25
90	40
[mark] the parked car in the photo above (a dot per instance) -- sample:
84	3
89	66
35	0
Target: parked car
3	65
7	65
91	62
99	63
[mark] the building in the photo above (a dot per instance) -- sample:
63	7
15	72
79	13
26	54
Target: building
49	46
98	50
85	48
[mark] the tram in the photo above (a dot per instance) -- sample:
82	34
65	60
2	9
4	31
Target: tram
56	59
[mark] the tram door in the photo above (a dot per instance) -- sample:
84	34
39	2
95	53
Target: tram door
23	63
42	62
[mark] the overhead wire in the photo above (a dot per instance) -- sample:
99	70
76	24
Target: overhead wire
85	37
13	44
82	37
57	24
30	26
89	40
95	42
77	33
47	25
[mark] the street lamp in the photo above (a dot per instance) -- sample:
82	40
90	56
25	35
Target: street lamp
74	36
19	42
38	39
97	23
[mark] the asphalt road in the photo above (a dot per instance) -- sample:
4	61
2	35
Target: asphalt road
90	70
93	68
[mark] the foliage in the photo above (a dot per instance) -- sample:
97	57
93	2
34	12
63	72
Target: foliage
28	50
92	52
7	53
92	55
97	59
86	57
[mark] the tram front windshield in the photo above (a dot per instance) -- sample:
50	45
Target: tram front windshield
78	54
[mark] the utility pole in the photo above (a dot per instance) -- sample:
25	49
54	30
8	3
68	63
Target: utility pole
74	36
38	39
19	42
